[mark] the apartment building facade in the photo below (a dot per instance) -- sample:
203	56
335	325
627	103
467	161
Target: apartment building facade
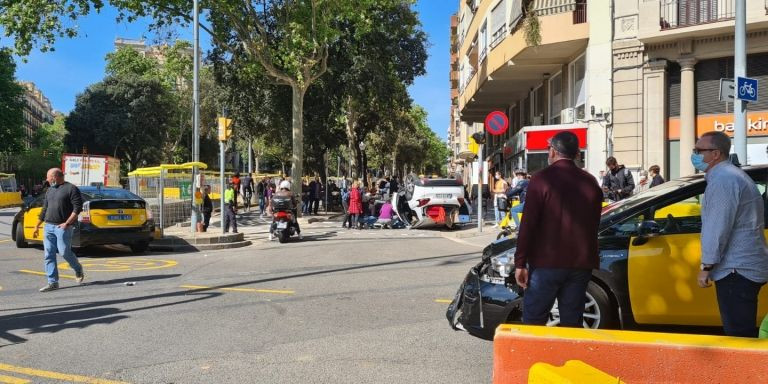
563	82
37	111
668	58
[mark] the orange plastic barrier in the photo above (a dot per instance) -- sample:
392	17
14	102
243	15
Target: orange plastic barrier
632	357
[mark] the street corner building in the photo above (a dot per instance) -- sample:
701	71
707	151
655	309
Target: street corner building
637	79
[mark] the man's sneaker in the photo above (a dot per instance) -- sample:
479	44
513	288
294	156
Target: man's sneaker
270	236
50	287
79	277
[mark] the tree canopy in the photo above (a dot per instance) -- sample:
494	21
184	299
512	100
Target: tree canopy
11	105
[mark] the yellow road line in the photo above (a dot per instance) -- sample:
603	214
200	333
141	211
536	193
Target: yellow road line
6	241
57	375
12	380
282	292
44	274
446	301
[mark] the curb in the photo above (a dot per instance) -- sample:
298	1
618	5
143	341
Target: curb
199	247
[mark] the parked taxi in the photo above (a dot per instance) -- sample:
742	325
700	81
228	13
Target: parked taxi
109	216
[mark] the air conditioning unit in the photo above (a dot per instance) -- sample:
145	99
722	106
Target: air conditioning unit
537	120
568	116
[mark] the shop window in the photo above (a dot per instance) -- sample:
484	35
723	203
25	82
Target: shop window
555	98
578	89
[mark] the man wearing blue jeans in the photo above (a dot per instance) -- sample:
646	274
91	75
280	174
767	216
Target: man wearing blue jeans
518	190
61	206
733	249
557	242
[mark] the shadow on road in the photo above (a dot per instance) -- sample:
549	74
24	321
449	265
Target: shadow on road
79	316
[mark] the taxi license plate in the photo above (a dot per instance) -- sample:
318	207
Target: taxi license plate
282	225
119	217
443	195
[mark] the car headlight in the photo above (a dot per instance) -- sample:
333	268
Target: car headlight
504	263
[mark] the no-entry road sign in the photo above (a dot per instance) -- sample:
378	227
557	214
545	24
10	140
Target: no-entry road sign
496	123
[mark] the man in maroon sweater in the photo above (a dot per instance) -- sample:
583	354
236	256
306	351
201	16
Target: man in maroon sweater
557	243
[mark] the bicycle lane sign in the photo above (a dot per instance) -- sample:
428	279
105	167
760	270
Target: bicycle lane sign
746	89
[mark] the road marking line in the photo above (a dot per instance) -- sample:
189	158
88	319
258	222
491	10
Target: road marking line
6	241
12	380
57	375
457	240
44	274
283	292
446	301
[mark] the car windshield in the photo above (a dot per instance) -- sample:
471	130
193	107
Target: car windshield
107	193
613	210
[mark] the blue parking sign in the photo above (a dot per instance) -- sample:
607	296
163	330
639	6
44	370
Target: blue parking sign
746	89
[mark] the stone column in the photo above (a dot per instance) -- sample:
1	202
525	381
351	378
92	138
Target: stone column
687	114
655	115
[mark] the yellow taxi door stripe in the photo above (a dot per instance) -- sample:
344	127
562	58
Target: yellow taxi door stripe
43	274
56	375
283	292
12	380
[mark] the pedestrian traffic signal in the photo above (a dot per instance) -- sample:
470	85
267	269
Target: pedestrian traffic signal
225	128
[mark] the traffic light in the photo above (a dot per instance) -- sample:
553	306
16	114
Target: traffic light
225	128
479	137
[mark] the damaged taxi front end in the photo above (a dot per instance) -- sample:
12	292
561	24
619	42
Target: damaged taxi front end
489	293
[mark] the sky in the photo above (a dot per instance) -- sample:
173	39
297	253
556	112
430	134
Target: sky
76	63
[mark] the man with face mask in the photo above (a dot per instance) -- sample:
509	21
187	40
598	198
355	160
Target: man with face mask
733	249
557	241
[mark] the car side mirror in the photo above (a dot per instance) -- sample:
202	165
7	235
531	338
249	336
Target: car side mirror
646	230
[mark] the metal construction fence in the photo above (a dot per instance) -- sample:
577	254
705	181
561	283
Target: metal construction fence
170	190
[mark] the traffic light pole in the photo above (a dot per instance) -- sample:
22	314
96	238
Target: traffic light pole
480	187
221	182
196	117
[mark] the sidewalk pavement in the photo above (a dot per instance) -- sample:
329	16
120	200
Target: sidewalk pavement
252	226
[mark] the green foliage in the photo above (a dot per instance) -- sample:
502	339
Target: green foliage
11	106
532	27
128	61
123	116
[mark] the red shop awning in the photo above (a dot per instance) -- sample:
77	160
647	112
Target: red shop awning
536	137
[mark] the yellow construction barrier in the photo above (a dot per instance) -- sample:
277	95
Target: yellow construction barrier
633	357
10	199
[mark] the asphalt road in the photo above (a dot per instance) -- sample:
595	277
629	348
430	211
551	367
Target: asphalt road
339	307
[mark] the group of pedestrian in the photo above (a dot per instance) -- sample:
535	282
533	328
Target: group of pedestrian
312	194
369	207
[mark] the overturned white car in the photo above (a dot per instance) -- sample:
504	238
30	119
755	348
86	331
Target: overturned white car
431	202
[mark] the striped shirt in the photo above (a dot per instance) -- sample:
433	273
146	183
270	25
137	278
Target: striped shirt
732	231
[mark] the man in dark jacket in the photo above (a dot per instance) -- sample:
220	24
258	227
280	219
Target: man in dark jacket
557	243
618	183
207	207
63	202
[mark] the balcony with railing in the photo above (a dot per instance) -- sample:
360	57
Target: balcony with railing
687	13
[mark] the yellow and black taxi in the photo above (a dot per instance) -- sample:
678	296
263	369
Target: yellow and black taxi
109	216
649	260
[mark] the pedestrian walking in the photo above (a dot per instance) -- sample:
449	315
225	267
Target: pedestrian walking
500	187
345	206
207	207
230	210
355	204
62	203
306	200
653	173
557	243
247	191
316	193
261	190
236	185
618	183
733	249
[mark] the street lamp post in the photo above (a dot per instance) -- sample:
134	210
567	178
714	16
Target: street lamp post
363	172
196	114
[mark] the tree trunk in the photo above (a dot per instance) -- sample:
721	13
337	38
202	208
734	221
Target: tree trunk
351	138
297	158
